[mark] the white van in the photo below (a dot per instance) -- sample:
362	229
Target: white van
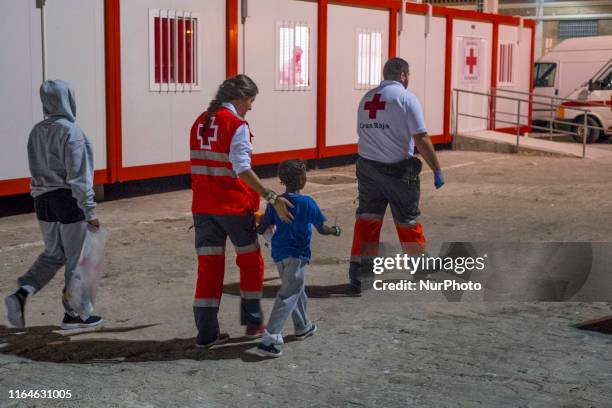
596	96
566	67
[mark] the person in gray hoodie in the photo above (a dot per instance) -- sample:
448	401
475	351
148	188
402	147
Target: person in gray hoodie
61	164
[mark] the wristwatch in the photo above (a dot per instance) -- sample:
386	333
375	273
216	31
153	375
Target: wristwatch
270	196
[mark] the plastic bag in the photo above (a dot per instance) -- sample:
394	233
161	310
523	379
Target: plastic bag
81	291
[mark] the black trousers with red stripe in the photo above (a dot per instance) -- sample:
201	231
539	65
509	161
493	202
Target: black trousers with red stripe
211	233
378	188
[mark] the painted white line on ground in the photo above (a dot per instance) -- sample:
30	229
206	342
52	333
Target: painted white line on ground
344	187
21	246
455	166
471	163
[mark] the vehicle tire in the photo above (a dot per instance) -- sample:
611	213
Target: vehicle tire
593	135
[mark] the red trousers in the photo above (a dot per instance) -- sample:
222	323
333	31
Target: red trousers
211	233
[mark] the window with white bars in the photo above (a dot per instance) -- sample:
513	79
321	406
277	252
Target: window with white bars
506	64
173	51
369	58
293	56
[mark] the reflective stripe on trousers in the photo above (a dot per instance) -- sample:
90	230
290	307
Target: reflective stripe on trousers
206	302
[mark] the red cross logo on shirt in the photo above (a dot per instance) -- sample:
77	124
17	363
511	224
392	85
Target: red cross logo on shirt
374	106
471	61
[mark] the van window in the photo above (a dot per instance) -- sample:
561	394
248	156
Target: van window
604	82
544	74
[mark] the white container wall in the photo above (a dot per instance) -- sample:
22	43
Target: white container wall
280	55
173	58
78	59
426	56
345	25
513	73
156	124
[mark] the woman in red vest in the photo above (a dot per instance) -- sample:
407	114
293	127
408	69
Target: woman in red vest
226	195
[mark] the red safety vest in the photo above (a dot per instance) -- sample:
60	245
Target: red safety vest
216	188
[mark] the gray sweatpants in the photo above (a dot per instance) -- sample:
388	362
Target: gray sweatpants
290	300
63	244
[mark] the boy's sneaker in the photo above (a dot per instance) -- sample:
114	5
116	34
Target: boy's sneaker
307	333
271	350
222	338
255	331
15	309
71	323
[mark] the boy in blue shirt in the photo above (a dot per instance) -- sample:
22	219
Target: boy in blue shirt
291	252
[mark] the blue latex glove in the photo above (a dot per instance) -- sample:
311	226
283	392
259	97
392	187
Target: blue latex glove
438	179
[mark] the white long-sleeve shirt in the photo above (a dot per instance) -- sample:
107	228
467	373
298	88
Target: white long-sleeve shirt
241	148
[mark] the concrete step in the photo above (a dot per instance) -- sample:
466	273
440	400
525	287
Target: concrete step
499	142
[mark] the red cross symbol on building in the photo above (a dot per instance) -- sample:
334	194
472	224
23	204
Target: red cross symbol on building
374	106
471	60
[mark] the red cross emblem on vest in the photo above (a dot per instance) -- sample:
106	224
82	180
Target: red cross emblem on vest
471	61
206	136
374	106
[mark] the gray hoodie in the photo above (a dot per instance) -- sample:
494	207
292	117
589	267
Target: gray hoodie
59	153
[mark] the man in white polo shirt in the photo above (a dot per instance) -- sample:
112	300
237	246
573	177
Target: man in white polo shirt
389	124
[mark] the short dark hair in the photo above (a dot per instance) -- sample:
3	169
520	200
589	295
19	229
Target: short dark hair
292	173
394	68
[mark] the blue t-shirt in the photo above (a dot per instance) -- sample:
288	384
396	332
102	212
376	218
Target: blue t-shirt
293	240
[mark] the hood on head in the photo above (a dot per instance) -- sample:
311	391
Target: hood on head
58	99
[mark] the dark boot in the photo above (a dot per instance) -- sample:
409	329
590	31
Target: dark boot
207	324
250	312
355	278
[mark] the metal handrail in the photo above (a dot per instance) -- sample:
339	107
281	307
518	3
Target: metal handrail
518	99
565	122
558	131
510	113
492	113
548	96
480	117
